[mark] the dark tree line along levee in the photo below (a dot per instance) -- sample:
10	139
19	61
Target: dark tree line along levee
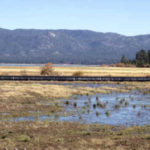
142	59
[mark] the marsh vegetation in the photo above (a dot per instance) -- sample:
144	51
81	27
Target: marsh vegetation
56	115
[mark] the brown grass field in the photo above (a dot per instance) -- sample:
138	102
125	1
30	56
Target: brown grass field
86	71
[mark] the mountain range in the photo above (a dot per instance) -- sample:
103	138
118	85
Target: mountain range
68	46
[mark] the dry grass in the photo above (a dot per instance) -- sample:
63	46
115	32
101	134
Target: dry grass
105	71
87	71
8	70
18	98
69	136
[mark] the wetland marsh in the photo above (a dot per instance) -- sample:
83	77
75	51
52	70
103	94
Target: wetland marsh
53	114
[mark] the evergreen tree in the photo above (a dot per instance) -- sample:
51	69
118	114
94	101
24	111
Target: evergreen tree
148	56
141	58
123	59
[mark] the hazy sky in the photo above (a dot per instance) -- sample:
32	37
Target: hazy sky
129	17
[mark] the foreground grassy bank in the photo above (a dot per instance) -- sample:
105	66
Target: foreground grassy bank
63	136
87	71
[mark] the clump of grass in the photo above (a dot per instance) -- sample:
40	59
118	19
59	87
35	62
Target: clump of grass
117	106
102	105
86	103
126	103
75	104
52	111
67	102
131	98
94	106
10	132
122	101
148	138
139	114
107	113
80	117
59	140
97	99
134	106
75	97
24	138
97	114
144	106
98	103
87	133
89	99
145	92
83	111
56	104
83	107
3	136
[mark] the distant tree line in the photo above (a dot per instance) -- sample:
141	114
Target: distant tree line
142	59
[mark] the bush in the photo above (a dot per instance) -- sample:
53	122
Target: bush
120	65
47	69
77	73
23	73
112	65
130	65
104	65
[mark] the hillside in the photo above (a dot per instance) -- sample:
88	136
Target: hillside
68	46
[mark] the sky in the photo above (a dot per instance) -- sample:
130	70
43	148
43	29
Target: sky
128	17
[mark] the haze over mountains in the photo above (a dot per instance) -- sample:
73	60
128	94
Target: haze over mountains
68	46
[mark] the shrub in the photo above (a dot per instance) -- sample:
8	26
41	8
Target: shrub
134	106
104	65
120	65
130	65
47	69
112	65
77	73
23	73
